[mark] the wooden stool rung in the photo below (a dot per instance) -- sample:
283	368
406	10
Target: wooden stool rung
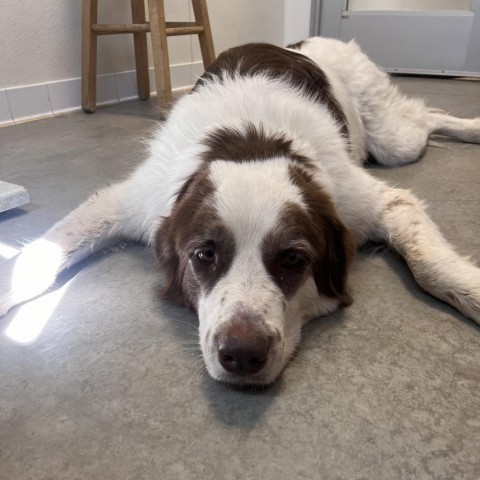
112	29
173	28
183	28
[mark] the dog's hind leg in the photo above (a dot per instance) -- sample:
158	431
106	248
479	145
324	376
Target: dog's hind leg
396	127
85	230
466	129
405	226
403	136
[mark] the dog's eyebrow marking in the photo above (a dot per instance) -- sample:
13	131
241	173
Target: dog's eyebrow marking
291	68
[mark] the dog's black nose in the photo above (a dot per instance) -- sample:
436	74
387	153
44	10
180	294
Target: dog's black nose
243	350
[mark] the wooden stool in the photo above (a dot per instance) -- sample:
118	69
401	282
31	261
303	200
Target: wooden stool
159	30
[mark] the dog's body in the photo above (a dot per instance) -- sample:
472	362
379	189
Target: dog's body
253	198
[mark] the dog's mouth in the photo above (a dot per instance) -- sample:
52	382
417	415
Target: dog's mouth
261	379
244	382
249	367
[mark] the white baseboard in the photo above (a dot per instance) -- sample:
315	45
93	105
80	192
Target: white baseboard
32	102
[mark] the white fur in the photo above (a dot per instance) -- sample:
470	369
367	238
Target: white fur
381	121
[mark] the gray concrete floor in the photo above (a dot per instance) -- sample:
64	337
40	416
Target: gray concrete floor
112	388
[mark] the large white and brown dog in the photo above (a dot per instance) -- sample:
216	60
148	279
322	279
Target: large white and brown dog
254	199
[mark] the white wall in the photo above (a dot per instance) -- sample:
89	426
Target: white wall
40	43
296	21
40	39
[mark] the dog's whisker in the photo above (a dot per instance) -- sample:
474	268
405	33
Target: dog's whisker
186	343
196	374
189	334
194	327
197	361
182	350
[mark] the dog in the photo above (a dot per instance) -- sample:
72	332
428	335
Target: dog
254	201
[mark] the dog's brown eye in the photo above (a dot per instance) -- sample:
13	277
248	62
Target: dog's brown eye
206	255
293	259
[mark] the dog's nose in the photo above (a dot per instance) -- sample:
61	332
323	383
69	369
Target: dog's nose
243	351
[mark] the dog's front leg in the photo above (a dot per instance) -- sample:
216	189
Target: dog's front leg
77	236
438	269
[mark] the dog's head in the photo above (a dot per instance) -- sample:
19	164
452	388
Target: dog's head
256	248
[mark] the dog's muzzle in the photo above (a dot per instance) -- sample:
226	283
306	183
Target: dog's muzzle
243	348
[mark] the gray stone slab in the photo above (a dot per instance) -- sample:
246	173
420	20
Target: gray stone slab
12	196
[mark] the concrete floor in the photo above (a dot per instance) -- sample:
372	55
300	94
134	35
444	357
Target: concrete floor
113	388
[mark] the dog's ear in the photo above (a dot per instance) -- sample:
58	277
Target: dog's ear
169	262
331	271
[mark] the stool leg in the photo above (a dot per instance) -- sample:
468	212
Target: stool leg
205	38
89	56
141	52
158	32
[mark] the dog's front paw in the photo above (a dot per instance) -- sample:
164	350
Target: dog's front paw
467	302
29	274
475	130
463	290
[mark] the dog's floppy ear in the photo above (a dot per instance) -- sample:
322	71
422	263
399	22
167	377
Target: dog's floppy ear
331	271
169	262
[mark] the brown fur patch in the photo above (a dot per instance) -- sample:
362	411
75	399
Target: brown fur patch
333	246
296	46
277	63
398	202
249	143
292	236
192	225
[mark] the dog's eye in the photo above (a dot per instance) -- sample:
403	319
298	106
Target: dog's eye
206	255
293	259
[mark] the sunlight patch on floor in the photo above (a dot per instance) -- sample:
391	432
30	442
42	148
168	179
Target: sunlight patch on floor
31	318
7	252
36	269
